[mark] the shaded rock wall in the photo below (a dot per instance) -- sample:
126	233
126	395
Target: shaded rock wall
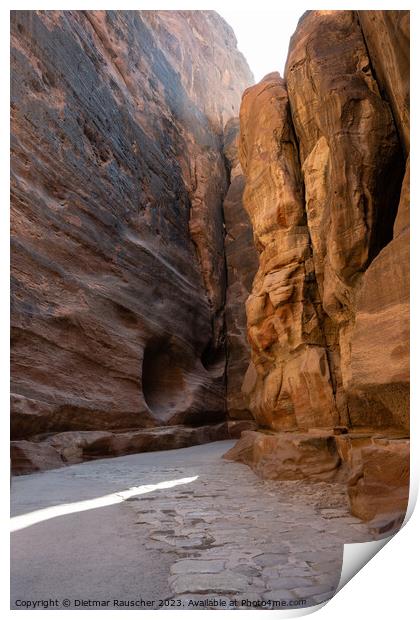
324	155
118	177
387	38
241	266
380	363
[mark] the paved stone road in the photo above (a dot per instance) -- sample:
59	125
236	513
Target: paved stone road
218	533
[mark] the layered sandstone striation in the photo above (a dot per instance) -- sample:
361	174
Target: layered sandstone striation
324	152
118	179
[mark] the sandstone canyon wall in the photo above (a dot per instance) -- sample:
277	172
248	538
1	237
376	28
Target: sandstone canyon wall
133	260
325	155
118	263
241	266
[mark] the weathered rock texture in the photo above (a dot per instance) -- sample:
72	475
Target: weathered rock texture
118	178
374	464
241	266
387	37
285	385
324	153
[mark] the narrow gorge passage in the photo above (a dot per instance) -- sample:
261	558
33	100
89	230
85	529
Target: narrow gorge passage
219	533
209	305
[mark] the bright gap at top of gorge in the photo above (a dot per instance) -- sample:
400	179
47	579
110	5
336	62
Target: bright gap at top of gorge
263	37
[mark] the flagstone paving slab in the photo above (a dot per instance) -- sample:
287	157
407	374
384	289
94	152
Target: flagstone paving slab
219	532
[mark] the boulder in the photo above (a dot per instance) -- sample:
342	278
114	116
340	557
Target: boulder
380	484
289	456
72	447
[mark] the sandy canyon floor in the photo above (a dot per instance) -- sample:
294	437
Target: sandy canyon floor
170	529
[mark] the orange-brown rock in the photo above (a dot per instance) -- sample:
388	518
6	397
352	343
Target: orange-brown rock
73	447
380	343
125	315
324	153
387	37
351	161
284	385
380	358
374	464
237	427
118	178
289	456
379	486
322	208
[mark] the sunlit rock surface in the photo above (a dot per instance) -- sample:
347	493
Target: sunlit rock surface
118	178
327	190
287	389
352	168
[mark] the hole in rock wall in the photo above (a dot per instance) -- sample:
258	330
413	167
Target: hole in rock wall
213	359
163	379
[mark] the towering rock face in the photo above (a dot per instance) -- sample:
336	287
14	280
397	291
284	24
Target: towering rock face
351	163
324	153
118	177
284	383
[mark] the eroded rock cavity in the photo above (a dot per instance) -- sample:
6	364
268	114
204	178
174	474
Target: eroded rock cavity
118	263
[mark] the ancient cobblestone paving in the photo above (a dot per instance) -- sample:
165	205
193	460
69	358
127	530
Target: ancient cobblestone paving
212	530
233	535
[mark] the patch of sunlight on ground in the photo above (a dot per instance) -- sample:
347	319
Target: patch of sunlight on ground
37	516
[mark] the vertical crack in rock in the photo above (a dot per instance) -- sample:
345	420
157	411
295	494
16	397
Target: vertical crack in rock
351	161
241	265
